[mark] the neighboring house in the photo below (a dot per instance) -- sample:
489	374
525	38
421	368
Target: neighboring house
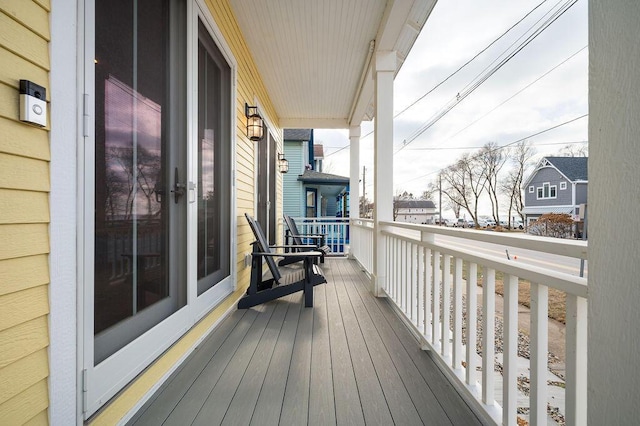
557	185
307	191
414	211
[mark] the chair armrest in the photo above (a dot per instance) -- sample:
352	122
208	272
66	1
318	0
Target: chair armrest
295	246
301	254
315	236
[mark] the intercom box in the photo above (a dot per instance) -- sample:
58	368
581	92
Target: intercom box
33	103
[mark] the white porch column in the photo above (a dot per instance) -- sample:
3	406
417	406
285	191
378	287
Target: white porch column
614	270
385	66
354	185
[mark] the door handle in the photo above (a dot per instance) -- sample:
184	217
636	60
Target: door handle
178	188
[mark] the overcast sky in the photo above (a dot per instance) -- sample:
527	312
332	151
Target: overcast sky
455	32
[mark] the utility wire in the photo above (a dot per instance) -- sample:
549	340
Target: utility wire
469	61
457	148
509	144
513	96
453	73
473	86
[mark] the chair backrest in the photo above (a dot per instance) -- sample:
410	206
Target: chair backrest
295	234
263	246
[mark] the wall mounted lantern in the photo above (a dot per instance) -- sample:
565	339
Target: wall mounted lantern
254	122
283	164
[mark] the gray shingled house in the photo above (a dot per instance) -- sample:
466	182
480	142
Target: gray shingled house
557	185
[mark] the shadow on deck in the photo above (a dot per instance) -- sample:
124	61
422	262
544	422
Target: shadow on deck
348	360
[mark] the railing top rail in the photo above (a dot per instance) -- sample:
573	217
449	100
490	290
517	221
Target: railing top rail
365	223
567	283
562	247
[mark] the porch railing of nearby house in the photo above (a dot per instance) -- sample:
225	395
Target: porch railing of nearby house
334	229
431	284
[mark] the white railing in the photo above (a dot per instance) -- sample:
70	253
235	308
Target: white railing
334	229
361	242
433	284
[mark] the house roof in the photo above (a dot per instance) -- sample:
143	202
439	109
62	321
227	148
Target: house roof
300	135
574	168
311	176
315	57
415	204
318	151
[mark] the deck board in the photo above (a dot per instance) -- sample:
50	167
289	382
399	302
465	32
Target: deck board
269	404
348	360
346	394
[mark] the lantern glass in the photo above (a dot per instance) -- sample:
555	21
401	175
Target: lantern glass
254	127
283	164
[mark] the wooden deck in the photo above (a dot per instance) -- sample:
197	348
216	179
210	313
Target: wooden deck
348	360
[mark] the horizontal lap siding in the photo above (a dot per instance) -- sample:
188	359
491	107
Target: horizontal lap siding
24	218
249	88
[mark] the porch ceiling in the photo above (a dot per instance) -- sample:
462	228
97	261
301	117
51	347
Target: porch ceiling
314	55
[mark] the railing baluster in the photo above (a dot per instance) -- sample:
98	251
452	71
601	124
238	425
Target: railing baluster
435	300
420	288
539	348
472	318
428	280
510	353
576	362
457	314
412	282
445	349
488	334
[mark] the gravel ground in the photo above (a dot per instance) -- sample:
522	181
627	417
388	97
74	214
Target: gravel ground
523	351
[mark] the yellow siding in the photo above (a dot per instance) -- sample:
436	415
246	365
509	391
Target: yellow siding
24	406
24	218
29	14
23	240
23	206
22	340
23	272
22	306
23	374
42	418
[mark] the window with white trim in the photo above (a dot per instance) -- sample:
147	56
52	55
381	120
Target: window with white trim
532	189
547	191
563	186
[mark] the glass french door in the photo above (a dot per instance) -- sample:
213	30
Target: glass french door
140	168
158	197
214	98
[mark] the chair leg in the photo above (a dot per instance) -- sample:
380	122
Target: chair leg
308	283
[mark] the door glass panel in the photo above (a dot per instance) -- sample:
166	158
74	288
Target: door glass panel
214	103
139	93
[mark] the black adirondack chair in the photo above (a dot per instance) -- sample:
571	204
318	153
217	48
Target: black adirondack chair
297	241
282	282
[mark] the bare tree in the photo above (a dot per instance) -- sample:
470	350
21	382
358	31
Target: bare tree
575	151
494	158
520	155
464	182
426	194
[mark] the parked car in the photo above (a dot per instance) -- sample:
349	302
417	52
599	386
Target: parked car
471	224
460	223
491	223
445	222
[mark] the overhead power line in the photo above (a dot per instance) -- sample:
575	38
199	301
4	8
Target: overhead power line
405	109
469	61
471	87
509	144
514	95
